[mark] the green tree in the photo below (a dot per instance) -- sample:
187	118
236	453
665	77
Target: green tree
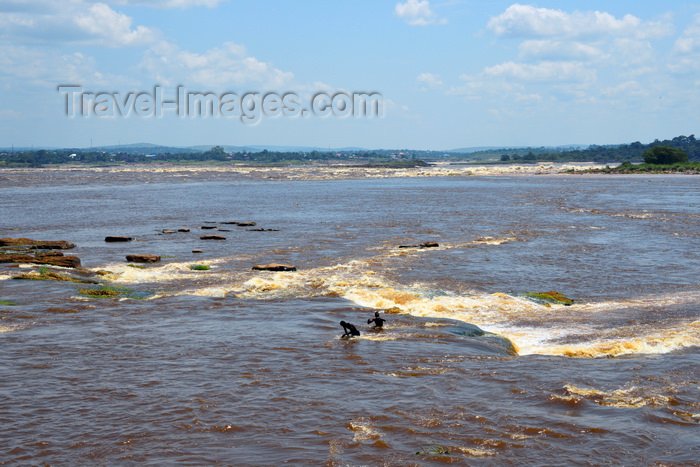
664	155
505	157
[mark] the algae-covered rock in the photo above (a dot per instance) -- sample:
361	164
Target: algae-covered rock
550	297
43	275
105	292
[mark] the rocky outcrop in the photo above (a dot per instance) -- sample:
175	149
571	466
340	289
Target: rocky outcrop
117	238
142	258
274	267
208	227
37	244
245	224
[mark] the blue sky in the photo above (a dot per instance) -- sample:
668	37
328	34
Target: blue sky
452	73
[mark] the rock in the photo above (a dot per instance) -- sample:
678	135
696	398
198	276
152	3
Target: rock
263	230
183	230
48	253
142	258
422	245
117	238
54	276
274	267
208	227
196	251
245	224
37	244
230	222
63	261
550	297
212	237
166	231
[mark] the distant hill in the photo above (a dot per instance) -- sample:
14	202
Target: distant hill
479	149
145	148
263	147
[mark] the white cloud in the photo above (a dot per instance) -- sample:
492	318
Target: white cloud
542	72
529	21
170	3
689	41
429	79
112	28
417	13
549	49
626	89
29	65
217	68
50	22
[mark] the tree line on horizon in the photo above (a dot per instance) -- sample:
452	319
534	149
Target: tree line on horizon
633	152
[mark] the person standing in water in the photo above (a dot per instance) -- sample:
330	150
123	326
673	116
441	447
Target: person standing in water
350	330
378	322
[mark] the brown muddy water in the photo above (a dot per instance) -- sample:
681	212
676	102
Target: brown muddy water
229	366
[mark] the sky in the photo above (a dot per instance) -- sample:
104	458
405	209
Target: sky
441	74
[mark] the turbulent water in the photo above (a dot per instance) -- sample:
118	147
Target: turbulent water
233	366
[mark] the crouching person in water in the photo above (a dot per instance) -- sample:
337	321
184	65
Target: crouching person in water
378	322
350	330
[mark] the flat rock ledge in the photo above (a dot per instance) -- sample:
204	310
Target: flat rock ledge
37	244
274	267
212	237
142	258
54	260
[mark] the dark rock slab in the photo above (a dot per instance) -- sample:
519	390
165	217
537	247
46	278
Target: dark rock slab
117	238
274	267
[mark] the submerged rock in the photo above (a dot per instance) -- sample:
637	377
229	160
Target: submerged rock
245	224
274	267
142	258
